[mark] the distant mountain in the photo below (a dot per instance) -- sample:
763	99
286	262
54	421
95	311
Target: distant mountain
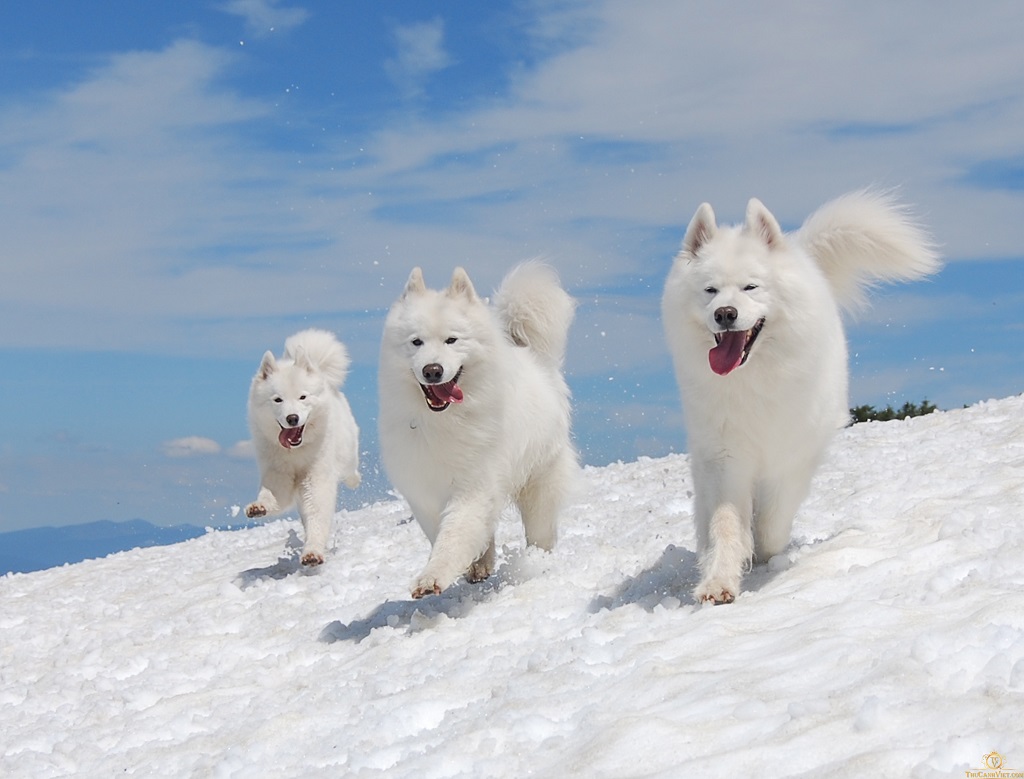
22	551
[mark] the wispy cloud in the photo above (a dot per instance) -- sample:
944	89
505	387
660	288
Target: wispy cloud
190	446
734	113
264	17
148	183
420	53
242	450
140	185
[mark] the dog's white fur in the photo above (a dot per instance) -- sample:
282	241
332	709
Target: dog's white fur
504	434
297	398
757	433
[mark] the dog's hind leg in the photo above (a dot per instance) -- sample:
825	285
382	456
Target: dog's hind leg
483	567
775	507
348	462
541	500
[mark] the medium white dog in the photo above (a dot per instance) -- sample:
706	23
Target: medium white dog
305	436
753	324
474	412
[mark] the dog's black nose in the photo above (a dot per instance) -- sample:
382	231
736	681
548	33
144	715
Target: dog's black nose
726	316
292	420
433	372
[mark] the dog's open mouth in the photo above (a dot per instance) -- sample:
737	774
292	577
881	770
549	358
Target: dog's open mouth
291	436
440	396
732	347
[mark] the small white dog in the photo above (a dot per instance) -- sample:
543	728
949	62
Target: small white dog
752	321
474	412
305	436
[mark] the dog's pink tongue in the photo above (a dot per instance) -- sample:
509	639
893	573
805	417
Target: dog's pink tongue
728	353
290	436
449	391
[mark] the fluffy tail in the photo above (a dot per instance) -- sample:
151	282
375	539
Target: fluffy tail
323	350
864	238
536	310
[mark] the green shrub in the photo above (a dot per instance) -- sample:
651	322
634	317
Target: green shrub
870	413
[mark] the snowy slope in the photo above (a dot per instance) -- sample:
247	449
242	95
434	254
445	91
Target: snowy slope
888	641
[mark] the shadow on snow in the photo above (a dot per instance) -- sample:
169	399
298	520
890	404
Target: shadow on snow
284	567
670	582
416	615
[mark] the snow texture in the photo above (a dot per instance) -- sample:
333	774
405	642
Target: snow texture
888	640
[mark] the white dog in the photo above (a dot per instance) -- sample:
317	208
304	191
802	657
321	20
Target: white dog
474	412
305	437
752	321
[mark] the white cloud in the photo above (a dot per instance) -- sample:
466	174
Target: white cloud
141	187
263	17
852	93
420	53
113	178
242	450
190	446
136	192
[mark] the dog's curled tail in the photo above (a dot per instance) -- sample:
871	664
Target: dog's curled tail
864	238
323	350
536	310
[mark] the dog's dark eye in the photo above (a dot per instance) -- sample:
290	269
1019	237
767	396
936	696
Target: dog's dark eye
302	397
278	400
417	342
750	287
711	290
451	340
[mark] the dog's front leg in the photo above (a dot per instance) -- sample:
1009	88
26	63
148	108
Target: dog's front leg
317	502
725	543
277	491
463	542
265	505
728	553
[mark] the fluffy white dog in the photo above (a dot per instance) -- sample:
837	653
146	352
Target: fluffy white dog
474	412
752	318
305	436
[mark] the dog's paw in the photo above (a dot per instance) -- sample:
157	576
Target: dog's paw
255	510
715	591
312	559
422	589
478	571
428	583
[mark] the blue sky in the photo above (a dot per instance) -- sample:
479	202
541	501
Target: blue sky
183	185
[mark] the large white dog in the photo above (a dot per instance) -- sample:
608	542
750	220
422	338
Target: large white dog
752	318
305	436
474	413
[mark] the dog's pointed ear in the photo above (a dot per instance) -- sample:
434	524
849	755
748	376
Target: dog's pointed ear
267	366
701	230
415	285
762	224
461	286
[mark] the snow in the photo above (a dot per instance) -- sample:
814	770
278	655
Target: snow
887	641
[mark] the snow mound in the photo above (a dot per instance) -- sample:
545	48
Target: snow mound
887	641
